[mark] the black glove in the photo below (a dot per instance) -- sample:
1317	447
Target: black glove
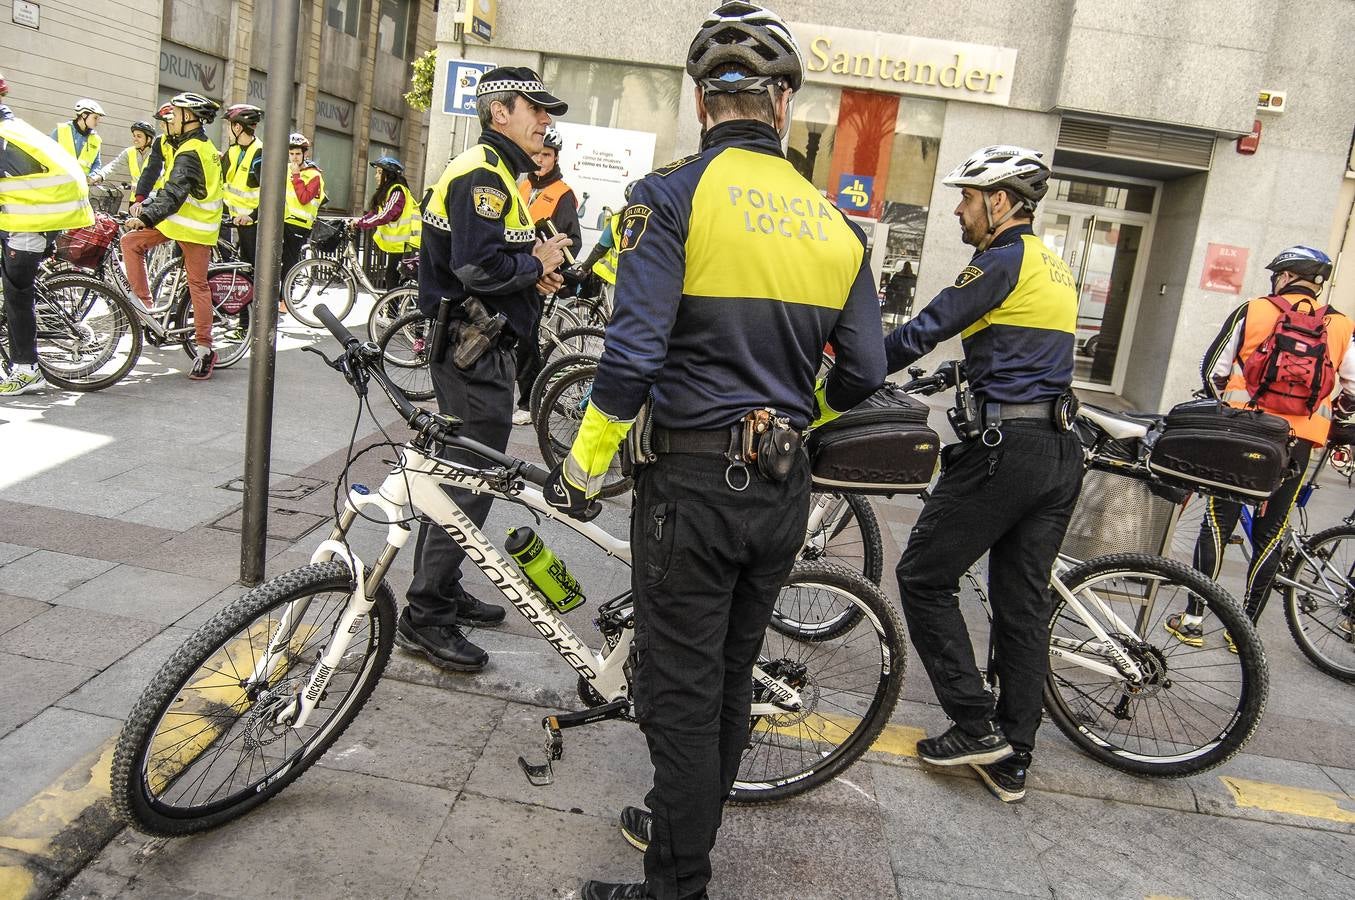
567	498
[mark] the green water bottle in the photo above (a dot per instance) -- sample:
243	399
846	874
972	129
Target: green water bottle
544	569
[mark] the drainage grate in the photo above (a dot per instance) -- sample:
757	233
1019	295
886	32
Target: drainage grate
291	487
283	524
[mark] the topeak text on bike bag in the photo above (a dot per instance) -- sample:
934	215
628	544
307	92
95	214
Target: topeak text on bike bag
882	445
1236	454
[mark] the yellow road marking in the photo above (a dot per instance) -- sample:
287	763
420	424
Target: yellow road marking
1329	805
175	747
897	740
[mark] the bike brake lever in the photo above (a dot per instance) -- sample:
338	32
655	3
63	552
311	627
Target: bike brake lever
332	363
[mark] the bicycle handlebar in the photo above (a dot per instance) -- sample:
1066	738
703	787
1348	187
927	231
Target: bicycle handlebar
366	354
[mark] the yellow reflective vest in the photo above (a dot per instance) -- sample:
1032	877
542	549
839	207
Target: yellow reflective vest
65	136
304	216
241	199
54	199
605	268
404	233
517	223
198	221
166	154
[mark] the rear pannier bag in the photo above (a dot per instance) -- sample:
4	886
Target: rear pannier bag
881	446
1236	454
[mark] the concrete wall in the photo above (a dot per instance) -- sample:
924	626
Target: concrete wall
1185	62
46	76
201	24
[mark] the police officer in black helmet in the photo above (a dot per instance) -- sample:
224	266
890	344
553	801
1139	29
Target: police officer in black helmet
715	322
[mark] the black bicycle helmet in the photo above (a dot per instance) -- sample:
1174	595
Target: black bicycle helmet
388	164
1306	262
755	40
145	128
629	188
244	114
204	109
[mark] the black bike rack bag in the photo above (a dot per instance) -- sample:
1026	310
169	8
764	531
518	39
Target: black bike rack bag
881	446
1236	454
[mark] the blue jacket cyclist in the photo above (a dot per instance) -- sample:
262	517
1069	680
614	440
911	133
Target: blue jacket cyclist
1009	493
733	272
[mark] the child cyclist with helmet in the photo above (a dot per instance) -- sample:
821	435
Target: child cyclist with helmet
393	214
305	193
187	210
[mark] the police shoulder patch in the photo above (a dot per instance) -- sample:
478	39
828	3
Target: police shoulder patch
970	273
633	226
489	202
670	168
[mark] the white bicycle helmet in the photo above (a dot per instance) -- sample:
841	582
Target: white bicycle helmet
1020	170
85	105
297	141
751	37
203	108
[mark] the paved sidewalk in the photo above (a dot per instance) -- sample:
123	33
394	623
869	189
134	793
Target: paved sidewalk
116	512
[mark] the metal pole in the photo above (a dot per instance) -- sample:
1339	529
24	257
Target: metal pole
267	278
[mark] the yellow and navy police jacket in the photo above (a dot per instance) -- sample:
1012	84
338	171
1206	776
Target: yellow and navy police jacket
734	272
478	236
1015	309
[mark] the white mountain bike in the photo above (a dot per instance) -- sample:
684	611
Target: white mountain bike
257	694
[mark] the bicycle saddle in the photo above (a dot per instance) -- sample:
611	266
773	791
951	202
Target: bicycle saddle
1117	425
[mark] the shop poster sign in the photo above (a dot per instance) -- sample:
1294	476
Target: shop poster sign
598	163
1225	267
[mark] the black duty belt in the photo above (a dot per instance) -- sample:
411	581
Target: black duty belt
1043	410
690	440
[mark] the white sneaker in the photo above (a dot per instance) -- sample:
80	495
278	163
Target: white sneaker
522	417
22	380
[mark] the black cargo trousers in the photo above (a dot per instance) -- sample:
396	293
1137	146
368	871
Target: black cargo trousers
707	565
1012	501
482	398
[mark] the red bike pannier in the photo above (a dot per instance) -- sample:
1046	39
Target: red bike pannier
86	247
231	291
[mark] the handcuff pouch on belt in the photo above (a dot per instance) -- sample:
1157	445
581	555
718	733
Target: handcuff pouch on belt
637	449
765	439
965	416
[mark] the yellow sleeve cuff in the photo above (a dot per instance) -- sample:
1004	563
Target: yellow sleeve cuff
594	448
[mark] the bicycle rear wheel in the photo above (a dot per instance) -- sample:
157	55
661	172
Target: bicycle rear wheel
404	355
390	306
847	534
1192	708
848	687
88	337
315	281
1321	613
230	331
203	745
558	420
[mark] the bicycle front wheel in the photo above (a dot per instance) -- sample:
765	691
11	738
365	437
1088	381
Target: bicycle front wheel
1321	613
404	355
1187	708
204	744
847	687
88	337
390	306
315	281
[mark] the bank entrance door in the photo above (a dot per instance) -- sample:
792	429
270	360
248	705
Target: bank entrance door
1101	229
